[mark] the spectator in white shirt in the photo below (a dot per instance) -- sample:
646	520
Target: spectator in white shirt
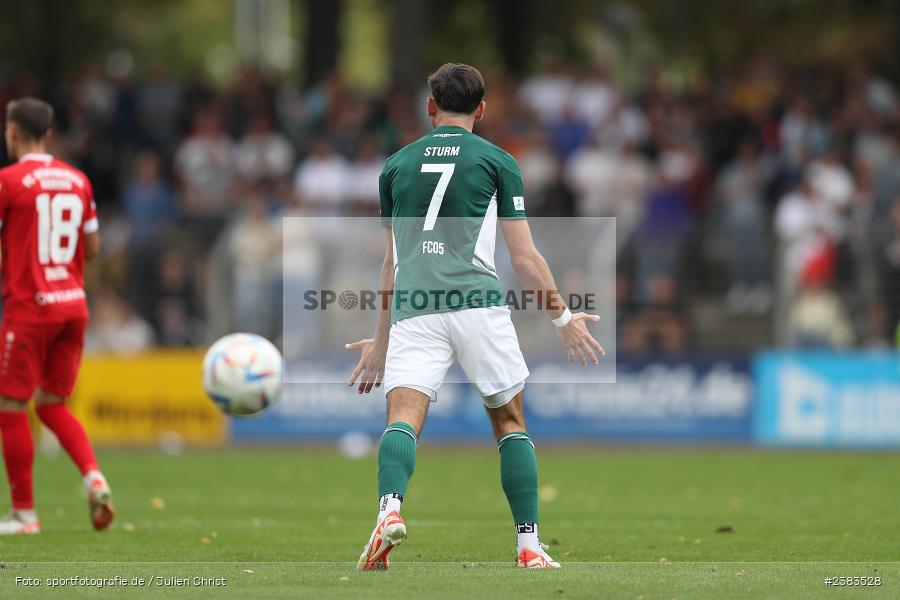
205	166
803	224
363	182
594	98
264	153
610	183
548	93
832	182
321	180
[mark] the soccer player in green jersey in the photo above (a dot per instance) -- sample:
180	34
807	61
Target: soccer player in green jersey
441	198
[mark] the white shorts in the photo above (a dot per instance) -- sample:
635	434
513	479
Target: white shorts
483	340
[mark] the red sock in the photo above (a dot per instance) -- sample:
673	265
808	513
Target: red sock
18	456
70	434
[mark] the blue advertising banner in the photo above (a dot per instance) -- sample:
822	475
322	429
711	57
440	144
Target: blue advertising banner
827	399
655	400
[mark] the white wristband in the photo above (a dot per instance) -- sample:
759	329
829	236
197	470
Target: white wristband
563	319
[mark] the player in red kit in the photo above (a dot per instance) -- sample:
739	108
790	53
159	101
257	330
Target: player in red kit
48	228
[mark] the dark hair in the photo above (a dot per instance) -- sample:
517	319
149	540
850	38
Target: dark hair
32	116
457	88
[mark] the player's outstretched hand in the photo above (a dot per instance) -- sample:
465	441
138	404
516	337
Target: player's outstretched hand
370	369
578	341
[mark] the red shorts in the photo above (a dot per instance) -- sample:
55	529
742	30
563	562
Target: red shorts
45	355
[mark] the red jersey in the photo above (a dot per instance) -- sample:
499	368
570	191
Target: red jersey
45	207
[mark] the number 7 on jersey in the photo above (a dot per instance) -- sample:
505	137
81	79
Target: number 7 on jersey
446	171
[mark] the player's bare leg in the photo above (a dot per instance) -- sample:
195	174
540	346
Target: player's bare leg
18	457
55	415
407	409
518	475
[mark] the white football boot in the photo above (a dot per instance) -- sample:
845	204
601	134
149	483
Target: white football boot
14	523
536	559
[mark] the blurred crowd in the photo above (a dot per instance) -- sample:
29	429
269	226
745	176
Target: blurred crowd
768	197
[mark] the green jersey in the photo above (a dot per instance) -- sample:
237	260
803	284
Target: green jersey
442	195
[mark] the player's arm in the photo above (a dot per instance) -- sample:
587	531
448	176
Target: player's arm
90	230
532	269
534	273
370	369
91	245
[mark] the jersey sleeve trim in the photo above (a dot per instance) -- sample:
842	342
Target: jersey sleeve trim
91	226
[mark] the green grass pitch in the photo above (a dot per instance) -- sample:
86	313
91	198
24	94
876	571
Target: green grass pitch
625	523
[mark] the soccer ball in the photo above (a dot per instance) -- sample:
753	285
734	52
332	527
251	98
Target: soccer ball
242	373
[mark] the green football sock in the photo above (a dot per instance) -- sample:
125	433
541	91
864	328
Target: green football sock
396	458
518	475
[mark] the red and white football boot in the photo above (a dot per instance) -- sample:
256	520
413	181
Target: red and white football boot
536	559
100	503
387	535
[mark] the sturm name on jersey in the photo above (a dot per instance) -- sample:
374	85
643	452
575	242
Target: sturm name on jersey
442	151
